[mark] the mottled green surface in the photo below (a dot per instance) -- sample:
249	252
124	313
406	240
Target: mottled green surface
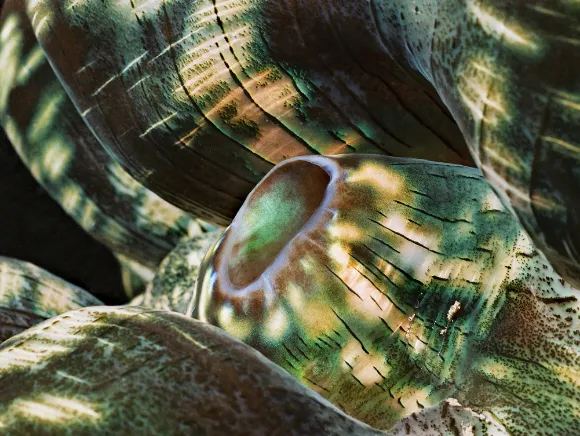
63	155
175	284
132	370
268	221
218	92
232	87
30	295
274	215
413	298
414	284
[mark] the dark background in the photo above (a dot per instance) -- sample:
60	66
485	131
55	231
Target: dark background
34	228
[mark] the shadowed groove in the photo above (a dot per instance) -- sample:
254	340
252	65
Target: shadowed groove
186	91
483	326
385	83
246	92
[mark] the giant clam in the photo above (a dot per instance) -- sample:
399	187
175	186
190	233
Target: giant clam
68	161
182	365
390	278
212	104
387	284
266	80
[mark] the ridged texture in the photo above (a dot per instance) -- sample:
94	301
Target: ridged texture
408	283
30	295
508	72
216	93
175	284
231	87
137	371
398	289
68	161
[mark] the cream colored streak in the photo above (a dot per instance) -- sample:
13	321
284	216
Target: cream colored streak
158	124
495	25
127	68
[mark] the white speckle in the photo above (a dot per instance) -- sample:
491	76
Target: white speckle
453	310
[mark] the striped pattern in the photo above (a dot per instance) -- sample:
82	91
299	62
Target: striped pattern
137	371
62	154
411	283
30	295
213	103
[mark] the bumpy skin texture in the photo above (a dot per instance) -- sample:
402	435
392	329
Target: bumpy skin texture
30	295
450	418
67	160
263	80
215	94
417	284
174	288
123	371
508	72
407	283
175	284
